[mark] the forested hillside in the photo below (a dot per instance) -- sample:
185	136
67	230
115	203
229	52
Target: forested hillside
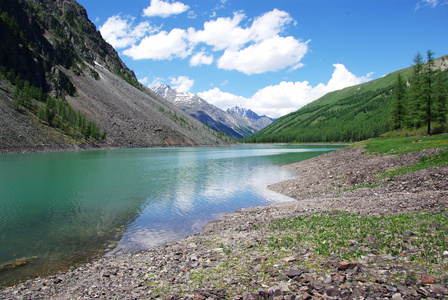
351	114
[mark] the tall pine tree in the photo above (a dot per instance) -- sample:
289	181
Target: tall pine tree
398	115
415	94
428	82
441	95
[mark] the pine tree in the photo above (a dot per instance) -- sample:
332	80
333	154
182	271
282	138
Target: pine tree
441	96
415	95
16	97
398	115
428	74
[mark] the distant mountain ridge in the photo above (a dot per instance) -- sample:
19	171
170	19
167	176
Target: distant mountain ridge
236	122
59	80
260	122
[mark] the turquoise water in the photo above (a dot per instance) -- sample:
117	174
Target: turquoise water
61	209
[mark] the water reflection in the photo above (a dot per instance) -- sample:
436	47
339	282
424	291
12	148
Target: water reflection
65	207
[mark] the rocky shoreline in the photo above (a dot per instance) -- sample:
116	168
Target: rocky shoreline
234	258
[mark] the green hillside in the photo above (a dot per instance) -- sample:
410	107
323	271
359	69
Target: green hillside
351	114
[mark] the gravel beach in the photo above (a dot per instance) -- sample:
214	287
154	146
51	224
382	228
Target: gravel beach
235	257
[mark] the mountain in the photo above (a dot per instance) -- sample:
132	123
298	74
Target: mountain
355	113
232	123
259	122
62	87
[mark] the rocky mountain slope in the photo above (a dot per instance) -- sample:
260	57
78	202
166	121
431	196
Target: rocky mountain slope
236	123
51	50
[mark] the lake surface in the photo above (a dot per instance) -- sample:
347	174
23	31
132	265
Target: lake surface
61	209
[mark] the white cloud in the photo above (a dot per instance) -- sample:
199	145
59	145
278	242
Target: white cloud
221	99
342	78
286	97
159	8
120	32
269	25
161	46
430	3
201	58
192	15
144	80
269	55
221	33
255	49
182	83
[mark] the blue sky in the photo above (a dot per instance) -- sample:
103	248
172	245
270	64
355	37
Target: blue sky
270	56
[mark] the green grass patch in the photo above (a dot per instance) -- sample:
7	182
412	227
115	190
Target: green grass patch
400	145
350	236
438	160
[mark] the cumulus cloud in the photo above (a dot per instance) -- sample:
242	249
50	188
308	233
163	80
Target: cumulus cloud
201	58
255	49
285	97
269	24
164	9
222	99
121	33
269	55
182	83
160	46
221	33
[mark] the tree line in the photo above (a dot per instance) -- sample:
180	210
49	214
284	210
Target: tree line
422	100
56	113
356	117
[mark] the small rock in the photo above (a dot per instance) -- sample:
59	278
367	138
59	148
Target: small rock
422	291
344	265
333	292
428	279
408	233
397	296
305	296
439	289
317	285
356	294
260	259
275	291
290	259
293	273
307	277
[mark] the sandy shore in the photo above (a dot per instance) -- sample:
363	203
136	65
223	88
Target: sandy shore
230	258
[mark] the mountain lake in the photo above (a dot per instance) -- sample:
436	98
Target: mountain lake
62	209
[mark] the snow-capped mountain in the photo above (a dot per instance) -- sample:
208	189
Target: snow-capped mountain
232	124
259	122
